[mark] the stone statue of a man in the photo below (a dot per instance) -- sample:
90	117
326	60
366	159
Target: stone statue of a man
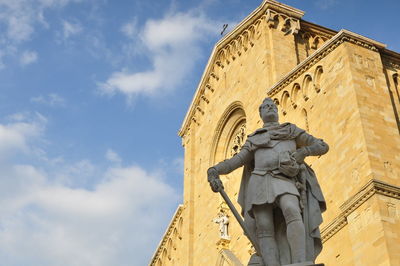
280	196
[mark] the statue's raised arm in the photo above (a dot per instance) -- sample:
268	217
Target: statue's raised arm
227	166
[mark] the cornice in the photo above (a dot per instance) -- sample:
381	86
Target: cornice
367	191
391	59
341	37
245	28
243	35
256	14
282	8
372	187
317	29
333	227
167	234
394	64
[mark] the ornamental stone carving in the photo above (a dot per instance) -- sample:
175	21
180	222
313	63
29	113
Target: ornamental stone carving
238	140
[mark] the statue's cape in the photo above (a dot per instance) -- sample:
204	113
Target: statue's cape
278	131
315	200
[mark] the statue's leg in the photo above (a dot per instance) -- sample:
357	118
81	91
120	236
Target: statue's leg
289	205
265	233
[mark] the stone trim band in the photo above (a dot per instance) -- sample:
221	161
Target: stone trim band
367	191
341	37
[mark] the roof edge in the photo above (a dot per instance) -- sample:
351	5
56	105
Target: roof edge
266	4
172	222
341	36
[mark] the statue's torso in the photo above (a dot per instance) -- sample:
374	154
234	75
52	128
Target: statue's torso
266	157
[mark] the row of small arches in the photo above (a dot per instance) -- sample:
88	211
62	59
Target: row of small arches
245	39
314	41
166	253
300	91
241	43
280	21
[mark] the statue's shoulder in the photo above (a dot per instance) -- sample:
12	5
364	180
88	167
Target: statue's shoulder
262	136
293	129
287	125
259	137
258	131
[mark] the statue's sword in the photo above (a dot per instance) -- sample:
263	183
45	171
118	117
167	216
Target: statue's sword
241	222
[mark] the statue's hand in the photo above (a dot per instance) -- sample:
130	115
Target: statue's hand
300	155
216	185
214	180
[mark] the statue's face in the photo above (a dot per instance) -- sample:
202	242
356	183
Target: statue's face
269	112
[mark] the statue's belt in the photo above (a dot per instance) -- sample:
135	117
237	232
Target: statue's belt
262	171
276	173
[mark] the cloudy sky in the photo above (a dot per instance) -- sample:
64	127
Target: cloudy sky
92	94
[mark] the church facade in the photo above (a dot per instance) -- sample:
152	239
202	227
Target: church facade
339	86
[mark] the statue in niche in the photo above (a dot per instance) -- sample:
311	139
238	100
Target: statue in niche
280	197
223	222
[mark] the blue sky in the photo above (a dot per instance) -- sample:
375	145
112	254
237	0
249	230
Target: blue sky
93	93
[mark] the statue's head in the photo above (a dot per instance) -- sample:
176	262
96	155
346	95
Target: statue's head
268	111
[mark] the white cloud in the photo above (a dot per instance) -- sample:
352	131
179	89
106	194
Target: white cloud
66	174
19	18
51	99
71	28
325	4
116	223
173	45
18	116
57	3
130	29
28	57
19	29
112	156
178	164
15	136
50	215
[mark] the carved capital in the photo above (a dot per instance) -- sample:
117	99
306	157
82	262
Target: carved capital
272	18
291	26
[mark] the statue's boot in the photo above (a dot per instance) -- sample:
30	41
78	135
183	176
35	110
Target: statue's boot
296	238
269	249
306	263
